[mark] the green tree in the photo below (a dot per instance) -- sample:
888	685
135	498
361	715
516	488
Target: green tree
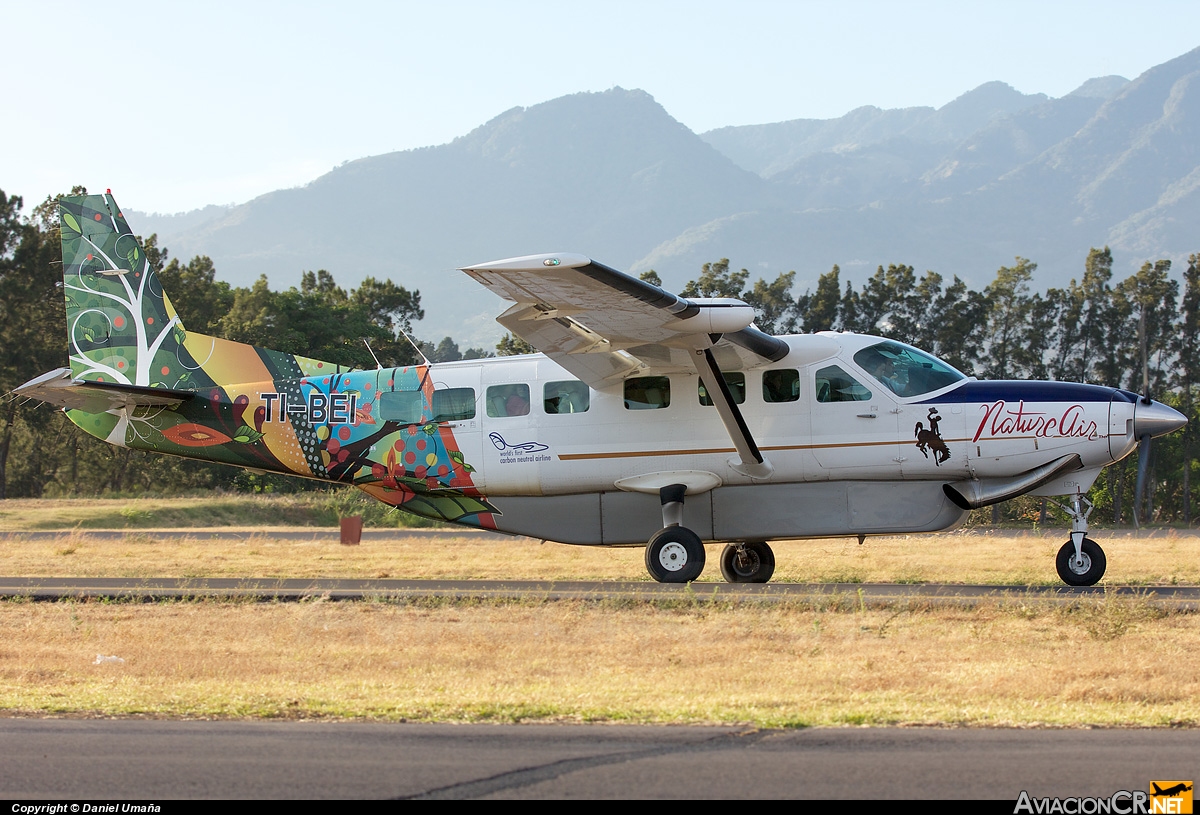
651	277
716	281
867	312
512	345
444	351
199	299
1187	352
34	341
322	321
957	328
774	308
1149	302
820	310
1099	358
1009	307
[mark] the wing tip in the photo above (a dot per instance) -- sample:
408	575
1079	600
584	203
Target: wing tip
570	260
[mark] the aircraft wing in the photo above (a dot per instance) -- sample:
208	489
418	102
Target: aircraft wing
603	325
58	388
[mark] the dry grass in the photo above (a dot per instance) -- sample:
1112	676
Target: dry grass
1114	663
1159	558
320	508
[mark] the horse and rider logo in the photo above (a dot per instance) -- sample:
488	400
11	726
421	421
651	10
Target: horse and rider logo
931	439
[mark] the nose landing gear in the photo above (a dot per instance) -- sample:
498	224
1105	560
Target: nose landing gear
1080	561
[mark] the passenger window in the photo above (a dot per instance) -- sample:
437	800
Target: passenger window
453	404
781	386
835	385
405	407
507	400
571	396
734	380
647	392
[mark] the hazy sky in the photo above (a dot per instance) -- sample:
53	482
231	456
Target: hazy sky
177	105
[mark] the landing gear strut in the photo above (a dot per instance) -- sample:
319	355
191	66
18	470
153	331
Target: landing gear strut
675	554
1080	561
749	562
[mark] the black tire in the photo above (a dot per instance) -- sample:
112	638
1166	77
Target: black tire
755	566
675	555
1094	564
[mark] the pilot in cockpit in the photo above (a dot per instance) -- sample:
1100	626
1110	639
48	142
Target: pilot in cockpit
884	369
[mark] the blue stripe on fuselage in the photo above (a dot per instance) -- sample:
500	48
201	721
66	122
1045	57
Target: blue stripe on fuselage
1023	390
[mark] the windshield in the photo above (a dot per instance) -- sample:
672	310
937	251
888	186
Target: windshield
904	370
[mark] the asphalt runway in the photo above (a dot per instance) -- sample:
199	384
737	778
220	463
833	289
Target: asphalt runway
50	760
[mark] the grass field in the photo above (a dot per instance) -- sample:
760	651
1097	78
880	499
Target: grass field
1110	663
1105	662
319	508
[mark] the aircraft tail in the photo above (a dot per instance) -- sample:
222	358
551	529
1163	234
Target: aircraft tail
121	327
129	349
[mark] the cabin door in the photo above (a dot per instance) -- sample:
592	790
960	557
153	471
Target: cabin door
855	425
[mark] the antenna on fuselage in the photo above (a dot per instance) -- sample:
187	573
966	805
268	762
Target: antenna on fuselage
416	348
378	364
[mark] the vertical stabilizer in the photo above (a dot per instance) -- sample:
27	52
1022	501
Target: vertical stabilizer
120	325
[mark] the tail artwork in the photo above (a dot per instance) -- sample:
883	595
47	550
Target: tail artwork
138	378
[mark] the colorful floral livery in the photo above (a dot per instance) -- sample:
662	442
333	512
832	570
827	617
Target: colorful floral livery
205	397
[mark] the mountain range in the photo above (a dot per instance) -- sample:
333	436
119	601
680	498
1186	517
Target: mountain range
961	189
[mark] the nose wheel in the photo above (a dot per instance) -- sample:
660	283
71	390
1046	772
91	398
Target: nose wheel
1084	568
749	562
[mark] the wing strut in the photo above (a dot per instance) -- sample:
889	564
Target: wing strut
751	461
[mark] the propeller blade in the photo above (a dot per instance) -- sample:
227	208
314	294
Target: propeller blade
1145	357
1139	488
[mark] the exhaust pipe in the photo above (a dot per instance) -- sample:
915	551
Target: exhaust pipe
975	494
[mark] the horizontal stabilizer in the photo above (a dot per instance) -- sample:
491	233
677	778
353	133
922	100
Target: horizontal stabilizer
58	388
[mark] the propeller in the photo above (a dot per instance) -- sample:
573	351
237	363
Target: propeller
1139	496
1139	487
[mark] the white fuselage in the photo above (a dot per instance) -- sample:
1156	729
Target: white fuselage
589	471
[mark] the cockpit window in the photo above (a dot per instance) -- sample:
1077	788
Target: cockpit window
904	370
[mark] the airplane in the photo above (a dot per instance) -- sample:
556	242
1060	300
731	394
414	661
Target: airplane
647	419
1182	786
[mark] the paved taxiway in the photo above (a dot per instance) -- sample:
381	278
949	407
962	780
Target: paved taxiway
875	594
94	760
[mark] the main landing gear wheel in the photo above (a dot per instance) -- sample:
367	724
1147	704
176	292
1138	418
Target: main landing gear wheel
1087	570
749	562
675	555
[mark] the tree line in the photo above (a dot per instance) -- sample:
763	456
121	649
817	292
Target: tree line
1095	329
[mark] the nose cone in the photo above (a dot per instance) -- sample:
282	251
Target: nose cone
1156	419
